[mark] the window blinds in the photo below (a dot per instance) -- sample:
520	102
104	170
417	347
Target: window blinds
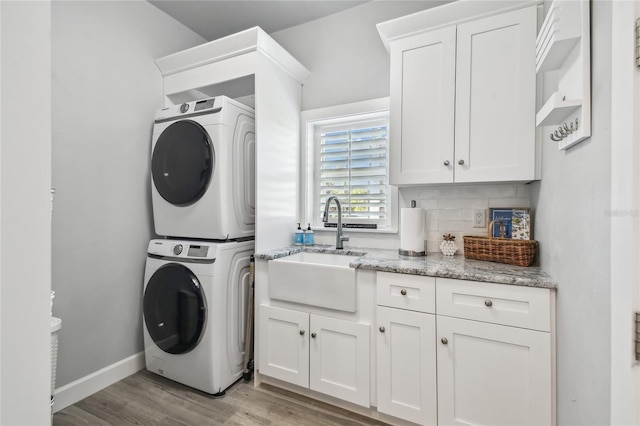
353	166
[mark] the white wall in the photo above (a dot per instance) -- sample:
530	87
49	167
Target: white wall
25	226
572	225
106	88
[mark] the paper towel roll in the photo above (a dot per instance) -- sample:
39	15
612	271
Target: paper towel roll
413	231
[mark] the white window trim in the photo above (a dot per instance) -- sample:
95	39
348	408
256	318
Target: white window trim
308	161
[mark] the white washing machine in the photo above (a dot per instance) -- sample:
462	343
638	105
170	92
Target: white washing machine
203	170
194	308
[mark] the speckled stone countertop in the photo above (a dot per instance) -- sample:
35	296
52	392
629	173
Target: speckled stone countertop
433	265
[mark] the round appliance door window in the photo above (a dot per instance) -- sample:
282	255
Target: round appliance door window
182	163
174	309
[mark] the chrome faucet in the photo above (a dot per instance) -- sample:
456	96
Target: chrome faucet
325	218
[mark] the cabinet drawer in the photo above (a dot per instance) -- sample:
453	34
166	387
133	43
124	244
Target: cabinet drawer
526	307
413	292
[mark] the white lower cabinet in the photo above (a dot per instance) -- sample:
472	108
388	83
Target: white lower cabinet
478	354
325	354
406	365
491	374
284	345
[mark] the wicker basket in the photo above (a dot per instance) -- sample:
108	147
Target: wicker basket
502	250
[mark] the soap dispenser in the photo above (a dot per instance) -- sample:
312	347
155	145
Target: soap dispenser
298	237
308	236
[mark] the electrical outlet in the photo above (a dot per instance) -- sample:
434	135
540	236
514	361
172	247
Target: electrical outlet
479	220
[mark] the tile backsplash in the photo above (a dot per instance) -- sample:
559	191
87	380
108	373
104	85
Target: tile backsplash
449	210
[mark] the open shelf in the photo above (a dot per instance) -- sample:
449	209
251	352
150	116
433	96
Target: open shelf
556	110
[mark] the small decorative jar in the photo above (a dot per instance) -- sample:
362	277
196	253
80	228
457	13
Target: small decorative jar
448	246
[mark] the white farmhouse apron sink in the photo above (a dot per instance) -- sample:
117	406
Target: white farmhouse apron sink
318	279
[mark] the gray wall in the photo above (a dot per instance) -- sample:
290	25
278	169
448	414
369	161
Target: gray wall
572	201
344	53
349	63
106	89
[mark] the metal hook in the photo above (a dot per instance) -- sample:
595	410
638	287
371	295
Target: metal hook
562	132
576	124
567	129
553	138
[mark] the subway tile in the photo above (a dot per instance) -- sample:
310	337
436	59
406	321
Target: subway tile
524	191
463	203
434	235
509	202
449	214
448	226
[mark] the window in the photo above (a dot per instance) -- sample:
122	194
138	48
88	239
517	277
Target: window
347	157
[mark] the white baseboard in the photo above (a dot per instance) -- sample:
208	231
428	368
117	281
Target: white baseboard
79	389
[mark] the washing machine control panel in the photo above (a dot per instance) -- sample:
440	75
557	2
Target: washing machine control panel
182	249
198	251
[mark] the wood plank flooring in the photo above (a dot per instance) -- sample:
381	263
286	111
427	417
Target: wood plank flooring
148	399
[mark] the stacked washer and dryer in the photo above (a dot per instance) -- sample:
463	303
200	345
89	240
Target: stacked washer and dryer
196	282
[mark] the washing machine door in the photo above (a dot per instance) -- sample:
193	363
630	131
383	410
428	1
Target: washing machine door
174	309
182	163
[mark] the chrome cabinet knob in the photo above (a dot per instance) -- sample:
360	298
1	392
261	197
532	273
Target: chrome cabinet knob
381	329
446	162
403	292
444	340
461	162
313	335
488	303
302	332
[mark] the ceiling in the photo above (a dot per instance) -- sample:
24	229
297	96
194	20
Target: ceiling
213	19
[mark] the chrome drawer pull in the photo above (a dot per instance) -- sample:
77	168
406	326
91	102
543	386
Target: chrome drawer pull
488	303
403	292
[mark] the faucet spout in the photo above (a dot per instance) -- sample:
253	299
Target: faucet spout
325	218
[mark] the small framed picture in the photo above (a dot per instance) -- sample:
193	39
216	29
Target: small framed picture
513	223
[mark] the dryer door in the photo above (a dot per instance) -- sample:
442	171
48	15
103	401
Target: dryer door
174	309
183	162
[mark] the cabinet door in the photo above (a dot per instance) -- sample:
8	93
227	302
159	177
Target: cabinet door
422	108
491	374
495	98
339	359
406	366
284	345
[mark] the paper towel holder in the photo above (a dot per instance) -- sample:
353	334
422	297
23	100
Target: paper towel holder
413	253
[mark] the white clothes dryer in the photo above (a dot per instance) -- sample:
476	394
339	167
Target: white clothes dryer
194	308
203	170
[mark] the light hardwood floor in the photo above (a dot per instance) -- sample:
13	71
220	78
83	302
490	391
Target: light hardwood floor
147	399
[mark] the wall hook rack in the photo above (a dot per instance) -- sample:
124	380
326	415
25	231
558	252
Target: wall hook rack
564	131
563	66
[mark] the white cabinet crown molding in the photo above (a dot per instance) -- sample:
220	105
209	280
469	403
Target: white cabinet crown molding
234	45
446	14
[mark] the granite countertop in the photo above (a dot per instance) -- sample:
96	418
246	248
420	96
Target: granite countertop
433	265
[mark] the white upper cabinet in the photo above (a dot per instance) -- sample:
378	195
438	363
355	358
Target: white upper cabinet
495	98
463	98
422	107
